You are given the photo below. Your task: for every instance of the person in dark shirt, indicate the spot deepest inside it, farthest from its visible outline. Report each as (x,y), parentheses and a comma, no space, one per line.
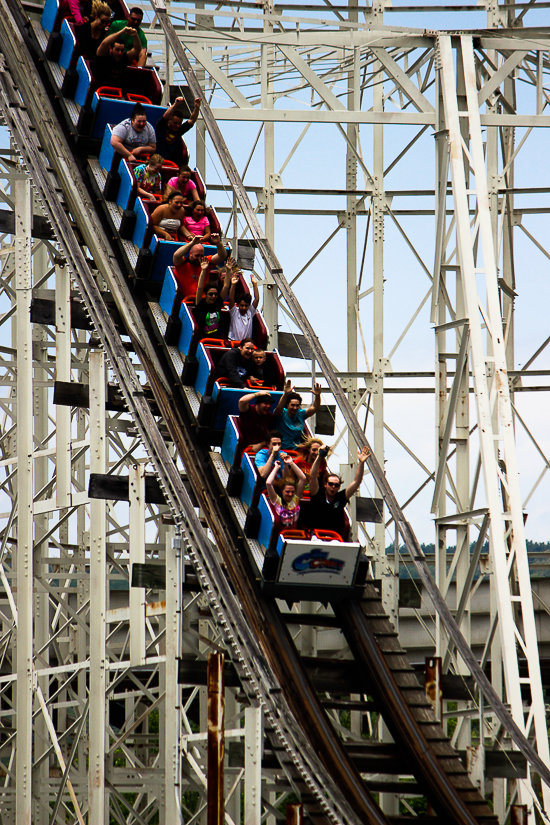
(327,503)
(135,20)
(262,373)
(207,310)
(109,67)
(90,34)
(256,421)
(234,365)
(170,129)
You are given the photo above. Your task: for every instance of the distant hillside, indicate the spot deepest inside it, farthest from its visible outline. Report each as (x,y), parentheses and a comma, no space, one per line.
(429,549)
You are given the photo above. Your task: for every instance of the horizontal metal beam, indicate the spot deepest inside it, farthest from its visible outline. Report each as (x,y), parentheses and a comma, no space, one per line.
(384,118)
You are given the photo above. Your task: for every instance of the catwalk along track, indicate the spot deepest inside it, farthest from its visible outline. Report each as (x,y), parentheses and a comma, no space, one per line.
(338,781)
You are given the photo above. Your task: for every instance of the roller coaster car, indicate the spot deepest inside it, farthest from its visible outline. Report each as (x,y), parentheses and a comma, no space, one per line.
(182,329)
(127,192)
(98,107)
(218,401)
(156,254)
(308,564)
(55,12)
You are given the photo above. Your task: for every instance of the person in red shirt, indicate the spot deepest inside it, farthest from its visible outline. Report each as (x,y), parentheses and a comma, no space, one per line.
(187,263)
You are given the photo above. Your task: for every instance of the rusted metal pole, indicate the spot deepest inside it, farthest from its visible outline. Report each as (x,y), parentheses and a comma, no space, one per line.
(216,739)
(519,815)
(432,685)
(294,814)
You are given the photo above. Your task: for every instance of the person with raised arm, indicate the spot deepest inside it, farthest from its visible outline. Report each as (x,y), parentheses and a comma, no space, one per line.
(292,419)
(208,308)
(170,129)
(256,420)
(109,69)
(135,20)
(327,503)
(242,309)
(287,504)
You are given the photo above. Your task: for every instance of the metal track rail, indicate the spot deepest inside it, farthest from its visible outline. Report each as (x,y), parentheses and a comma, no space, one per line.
(270,674)
(409,538)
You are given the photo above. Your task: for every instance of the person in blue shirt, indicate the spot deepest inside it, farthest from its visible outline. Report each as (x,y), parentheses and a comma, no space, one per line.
(292,419)
(264,459)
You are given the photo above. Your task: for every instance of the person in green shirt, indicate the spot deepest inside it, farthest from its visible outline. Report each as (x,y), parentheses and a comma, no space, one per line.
(135,21)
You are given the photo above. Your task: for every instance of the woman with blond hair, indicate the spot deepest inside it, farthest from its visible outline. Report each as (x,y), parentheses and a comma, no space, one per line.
(308,451)
(91,33)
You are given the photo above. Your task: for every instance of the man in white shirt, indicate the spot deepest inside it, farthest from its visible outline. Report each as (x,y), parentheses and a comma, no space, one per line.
(242,309)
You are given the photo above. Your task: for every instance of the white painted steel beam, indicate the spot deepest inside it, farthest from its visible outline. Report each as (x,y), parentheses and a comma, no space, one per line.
(98,594)
(489,368)
(137,556)
(25,487)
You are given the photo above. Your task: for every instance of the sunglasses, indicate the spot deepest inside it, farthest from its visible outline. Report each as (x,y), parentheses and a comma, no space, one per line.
(333,483)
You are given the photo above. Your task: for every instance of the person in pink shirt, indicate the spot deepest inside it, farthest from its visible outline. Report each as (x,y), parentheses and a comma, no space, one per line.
(196,225)
(182,182)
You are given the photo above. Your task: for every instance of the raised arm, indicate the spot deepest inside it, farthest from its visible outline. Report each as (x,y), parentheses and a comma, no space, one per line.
(234,282)
(179,254)
(314,473)
(202,278)
(135,52)
(290,465)
(225,287)
(265,470)
(352,488)
(221,253)
(282,401)
(316,403)
(244,401)
(271,492)
(105,45)
(254,282)
(195,113)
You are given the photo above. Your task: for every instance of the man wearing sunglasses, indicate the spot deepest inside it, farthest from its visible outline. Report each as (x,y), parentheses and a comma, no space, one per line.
(327,503)
(135,20)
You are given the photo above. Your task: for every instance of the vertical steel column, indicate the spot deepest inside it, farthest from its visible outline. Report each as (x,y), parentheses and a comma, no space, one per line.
(63,373)
(98,595)
(137,556)
(353,80)
(25,483)
(216,738)
(41,776)
(252,764)
(172,702)
(439,318)
(378,208)
(270,307)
